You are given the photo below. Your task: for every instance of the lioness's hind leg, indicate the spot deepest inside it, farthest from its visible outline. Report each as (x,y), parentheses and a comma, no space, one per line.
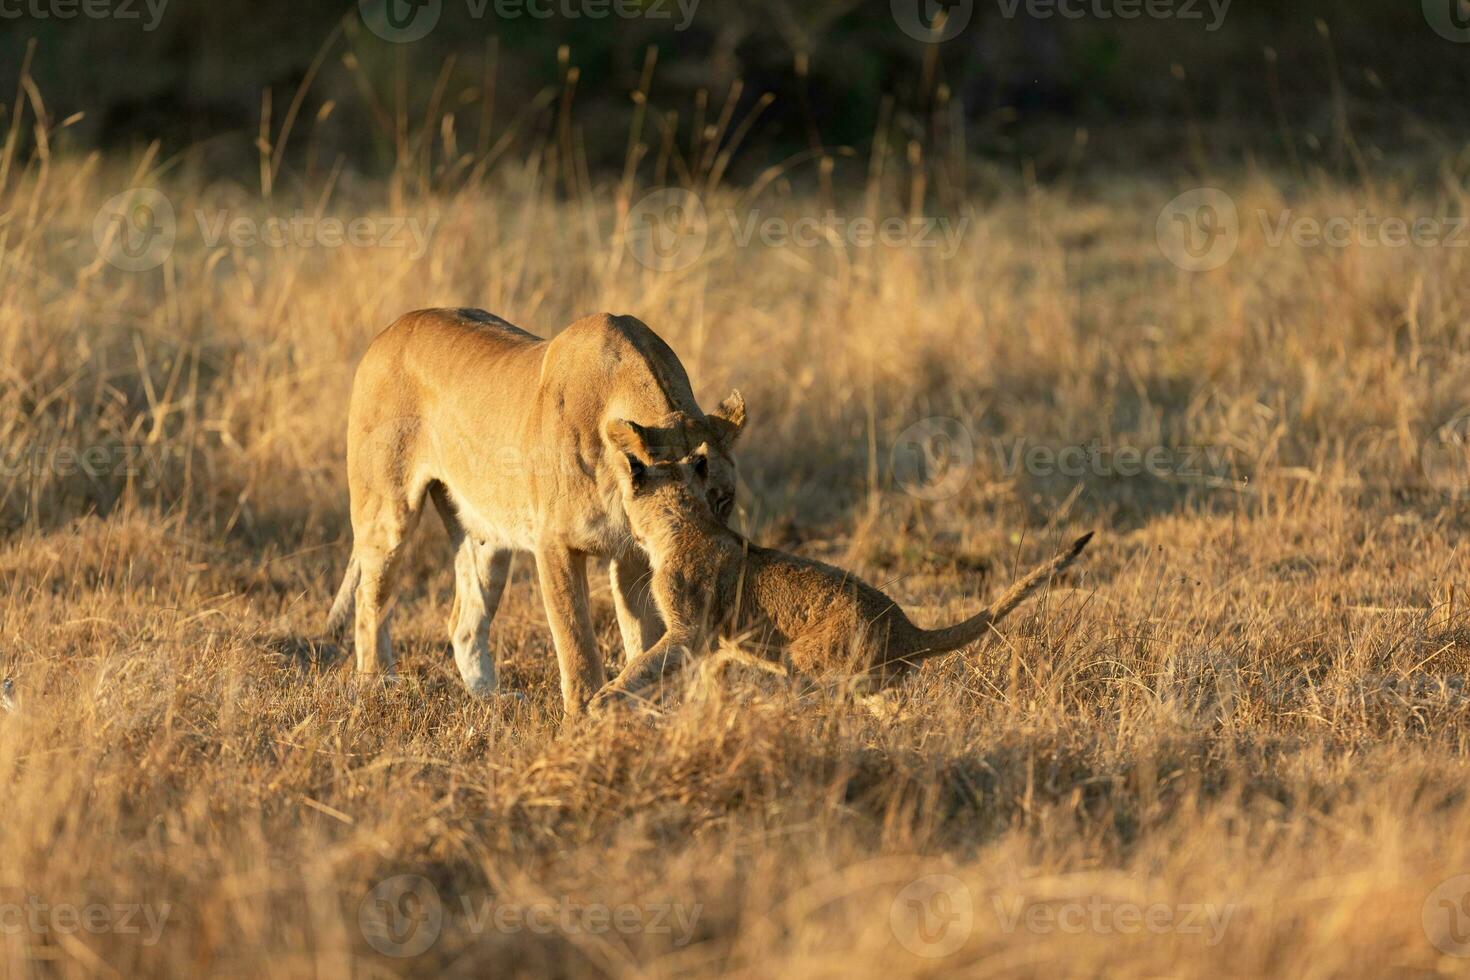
(379,540)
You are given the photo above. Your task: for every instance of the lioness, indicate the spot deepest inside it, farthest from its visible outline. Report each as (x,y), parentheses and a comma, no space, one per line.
(503,430)
(708,580)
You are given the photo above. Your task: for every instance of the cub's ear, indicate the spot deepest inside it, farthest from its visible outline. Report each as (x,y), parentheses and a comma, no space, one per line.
(629,439)
(728,419)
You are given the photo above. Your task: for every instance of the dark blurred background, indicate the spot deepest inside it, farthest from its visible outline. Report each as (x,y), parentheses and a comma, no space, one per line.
(1306,83)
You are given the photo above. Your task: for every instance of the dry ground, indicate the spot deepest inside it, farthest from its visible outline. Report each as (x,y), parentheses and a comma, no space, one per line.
(1235,745)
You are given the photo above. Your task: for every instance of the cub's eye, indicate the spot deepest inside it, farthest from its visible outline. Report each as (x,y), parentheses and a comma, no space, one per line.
(722,504)
(701,467)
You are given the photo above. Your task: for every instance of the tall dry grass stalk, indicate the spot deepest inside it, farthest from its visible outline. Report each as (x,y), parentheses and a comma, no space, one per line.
(1249,712)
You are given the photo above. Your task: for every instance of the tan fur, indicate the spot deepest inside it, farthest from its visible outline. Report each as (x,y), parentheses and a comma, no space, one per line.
(505,432)
(708,581)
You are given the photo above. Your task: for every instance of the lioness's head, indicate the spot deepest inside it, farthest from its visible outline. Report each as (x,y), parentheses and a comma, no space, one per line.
(703,445)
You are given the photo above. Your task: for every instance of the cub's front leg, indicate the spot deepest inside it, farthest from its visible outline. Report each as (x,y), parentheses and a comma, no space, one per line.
(684,612)
(668,655)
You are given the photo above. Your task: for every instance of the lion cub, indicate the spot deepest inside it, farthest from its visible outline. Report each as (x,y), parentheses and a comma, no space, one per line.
(708,581)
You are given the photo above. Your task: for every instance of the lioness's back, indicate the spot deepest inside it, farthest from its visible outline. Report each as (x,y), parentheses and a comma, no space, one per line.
(641,375)
(431,340)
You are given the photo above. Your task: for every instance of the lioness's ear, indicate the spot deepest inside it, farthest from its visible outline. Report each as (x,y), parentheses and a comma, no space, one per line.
(728,419)
(628,438)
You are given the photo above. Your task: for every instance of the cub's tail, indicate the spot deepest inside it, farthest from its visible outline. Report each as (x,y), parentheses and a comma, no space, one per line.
(962,634)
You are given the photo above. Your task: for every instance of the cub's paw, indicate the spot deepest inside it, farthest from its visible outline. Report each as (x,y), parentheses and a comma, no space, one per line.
(612,700)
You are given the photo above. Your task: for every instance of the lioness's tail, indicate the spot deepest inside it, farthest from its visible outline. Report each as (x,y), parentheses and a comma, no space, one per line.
(346,593)
(953,637)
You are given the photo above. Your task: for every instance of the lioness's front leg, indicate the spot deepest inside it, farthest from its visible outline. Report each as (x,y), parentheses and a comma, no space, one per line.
(632,589)
(480,573)
(563,576)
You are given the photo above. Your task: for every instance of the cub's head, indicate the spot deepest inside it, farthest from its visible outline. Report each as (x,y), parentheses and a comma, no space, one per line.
(724,424)
(660,497)
(704,443)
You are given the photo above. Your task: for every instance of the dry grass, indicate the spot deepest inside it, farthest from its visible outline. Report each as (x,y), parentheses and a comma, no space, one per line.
(1248,713)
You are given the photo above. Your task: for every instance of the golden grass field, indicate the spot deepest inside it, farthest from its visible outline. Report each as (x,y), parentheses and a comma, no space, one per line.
(1234,744)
